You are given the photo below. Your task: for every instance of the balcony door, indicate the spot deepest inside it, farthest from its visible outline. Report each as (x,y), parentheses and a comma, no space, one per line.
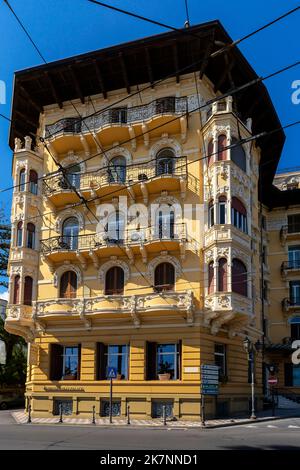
(117,170)
(73,176)
(165,224)
(295,292)
(115,227)
(165,162)
(70,233)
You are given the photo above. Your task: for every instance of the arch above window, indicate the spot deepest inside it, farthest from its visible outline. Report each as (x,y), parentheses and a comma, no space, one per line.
(70,232)
(111,263)
(165,164)
(163,258)
(30,236)
(238,155)
(68,213)
(62,269)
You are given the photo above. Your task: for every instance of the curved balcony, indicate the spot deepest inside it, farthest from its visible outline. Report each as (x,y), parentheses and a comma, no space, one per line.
(226,233)
(139,180)
(226,309)
(128,307)
(19,321)
(109,243)
(114,124)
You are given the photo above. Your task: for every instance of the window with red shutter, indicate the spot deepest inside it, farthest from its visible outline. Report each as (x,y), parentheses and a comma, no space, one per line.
(28,290)
(210,151)
(68,285)
(239,214)
(164,277)
(238,155)
(211,278)
(114,281)
(239,277)
(222,143)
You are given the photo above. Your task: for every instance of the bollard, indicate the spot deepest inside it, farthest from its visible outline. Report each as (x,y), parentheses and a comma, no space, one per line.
(29,414)
(128,414)
(164,415)
(60,413)
(94,417)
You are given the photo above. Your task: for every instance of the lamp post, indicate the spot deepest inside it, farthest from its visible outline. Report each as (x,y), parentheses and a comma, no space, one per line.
(250,349)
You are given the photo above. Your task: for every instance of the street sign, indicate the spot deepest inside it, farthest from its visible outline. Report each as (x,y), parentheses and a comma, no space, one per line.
(273,381)
(111,372)
(209,379)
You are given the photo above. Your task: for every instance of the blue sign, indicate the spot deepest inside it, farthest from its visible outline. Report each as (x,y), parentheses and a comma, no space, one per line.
(111,373)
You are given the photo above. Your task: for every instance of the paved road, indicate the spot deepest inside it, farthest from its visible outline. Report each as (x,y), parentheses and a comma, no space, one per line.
(278,434)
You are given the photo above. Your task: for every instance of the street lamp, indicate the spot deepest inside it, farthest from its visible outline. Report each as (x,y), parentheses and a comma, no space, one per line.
(250,349)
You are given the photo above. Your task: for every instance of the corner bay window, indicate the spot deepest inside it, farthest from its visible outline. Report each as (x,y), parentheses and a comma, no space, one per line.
(65,362)
(163,359)
(112,356)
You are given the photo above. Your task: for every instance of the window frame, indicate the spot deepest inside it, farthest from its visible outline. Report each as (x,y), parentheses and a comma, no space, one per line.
(176,358)
(224,368)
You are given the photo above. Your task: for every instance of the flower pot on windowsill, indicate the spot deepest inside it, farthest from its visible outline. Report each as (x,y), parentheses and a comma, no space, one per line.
(119,376)
(164,376)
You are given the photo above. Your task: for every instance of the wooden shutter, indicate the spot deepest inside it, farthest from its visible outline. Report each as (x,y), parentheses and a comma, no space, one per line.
(79,362)
(288,374)
(222,275)
(16,289)
(210,151)
(114,281)
(56,361)
(28,290)
(151,349)
(101,361)
(239,278)
(164,277)
(68,285)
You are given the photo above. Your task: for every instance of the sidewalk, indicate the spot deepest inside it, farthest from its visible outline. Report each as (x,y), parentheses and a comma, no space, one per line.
(21,418)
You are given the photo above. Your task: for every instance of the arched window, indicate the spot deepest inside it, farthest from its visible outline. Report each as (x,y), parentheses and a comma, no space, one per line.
(70,232)
(165,224)
(33,182)
(117,170)
(239,277)
(20,233)
(16,296)
(22,177)
(222,143)
(239,214)
(68,285)
(73,176)
(210,151)
(165,162)
(30,236)
(164,277)
(114,281)
(28,284)
(238,155)
(222,275)
(211,214)
(211,278)
(222,210)
(115,227)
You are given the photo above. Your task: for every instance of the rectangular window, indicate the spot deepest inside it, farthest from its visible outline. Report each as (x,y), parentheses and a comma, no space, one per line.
(117,356)
(211,216)
(294,257)
(167,360)
(70,363)
(221,359)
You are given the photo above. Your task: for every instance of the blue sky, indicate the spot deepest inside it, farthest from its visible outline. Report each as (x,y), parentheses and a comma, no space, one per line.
(68,27)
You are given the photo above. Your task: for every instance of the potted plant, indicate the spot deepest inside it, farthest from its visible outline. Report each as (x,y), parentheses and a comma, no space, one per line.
(119,376)
(164,372)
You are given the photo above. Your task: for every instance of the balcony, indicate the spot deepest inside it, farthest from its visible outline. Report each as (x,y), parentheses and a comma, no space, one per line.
(291,305)
(290,232)
(138,180)
(114,124)
(19,321)
(128,307)
(290,267)
(226,309)
(222,107)
(110,243)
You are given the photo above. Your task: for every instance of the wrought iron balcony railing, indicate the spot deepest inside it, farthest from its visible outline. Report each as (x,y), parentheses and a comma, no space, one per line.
(120,175)
(167,105)
(115,237)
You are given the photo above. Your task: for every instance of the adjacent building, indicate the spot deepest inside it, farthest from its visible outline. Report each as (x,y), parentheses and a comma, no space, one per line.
(139,226)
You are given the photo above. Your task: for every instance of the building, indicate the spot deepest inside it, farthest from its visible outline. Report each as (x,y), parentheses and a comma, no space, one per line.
(172,280)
